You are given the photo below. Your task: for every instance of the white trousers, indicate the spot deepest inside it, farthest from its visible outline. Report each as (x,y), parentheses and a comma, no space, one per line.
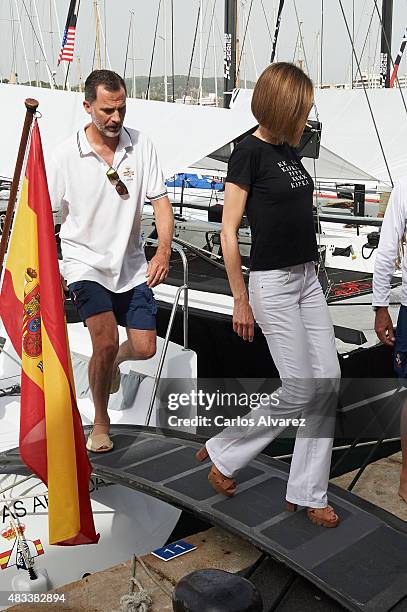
(290,308)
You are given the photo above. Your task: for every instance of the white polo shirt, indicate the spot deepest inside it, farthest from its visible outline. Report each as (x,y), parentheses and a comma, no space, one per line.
(393,228)
(100,231)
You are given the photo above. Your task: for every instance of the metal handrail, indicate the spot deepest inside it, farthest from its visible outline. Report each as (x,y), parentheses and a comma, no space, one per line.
(183,288)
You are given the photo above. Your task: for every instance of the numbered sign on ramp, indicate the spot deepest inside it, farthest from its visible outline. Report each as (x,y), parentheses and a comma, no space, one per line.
(176,549)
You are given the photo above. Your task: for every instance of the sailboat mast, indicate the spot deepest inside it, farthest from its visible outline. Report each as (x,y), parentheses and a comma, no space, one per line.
(97,36)
(385,51)
(229,51)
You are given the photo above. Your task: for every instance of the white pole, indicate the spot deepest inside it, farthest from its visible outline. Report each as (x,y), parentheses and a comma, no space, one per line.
(103,37)
(165,53)
(200,50)
(50,77)
(60,42)
(134,92)
(22,41)
(214,58)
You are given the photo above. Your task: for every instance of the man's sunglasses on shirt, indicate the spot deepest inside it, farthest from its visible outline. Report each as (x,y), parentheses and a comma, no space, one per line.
(114,178)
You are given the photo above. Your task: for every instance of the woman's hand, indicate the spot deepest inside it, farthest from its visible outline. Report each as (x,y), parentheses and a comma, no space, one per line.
(243,320)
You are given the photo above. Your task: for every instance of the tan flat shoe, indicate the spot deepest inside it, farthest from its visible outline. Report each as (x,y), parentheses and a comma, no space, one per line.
(323,517)
(115,384)
(202,454)
(222,484)
(99,443)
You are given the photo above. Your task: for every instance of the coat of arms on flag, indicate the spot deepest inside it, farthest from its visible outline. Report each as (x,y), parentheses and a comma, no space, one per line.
(20,549)
(52,442)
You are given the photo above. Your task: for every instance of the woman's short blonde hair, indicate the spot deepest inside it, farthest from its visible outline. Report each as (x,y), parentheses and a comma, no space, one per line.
(282,100)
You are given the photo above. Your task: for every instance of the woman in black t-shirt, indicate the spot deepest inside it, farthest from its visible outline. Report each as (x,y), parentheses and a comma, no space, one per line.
(266,177)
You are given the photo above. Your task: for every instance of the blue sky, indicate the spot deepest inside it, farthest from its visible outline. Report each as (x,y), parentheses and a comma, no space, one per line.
(116,15)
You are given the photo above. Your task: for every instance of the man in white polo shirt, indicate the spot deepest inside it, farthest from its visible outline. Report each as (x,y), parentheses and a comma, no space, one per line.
(391,237)
(100,178)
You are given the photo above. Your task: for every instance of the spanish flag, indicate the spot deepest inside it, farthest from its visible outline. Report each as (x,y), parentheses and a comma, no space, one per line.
(52,442)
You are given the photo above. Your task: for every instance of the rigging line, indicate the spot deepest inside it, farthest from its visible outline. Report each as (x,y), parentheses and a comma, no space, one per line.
(244,38)
(350,68)
(295,47)
(266,20)
(94,56)
(172,50)
(366,95)
(302,39)
(192,53)
(209,37)
(353,38)
(219,31)
(38,41)
(366,37)
(13,40)
(321,42)
(389,52)
(128,43)
(375,51)
(51,32)
(152,54)
(305,56)
(201,36)
(104,14)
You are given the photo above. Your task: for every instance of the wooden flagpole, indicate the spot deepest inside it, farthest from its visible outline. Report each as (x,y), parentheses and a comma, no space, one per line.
(31,106)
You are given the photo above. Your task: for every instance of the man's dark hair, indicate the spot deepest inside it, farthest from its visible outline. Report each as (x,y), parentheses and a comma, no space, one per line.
(107,78)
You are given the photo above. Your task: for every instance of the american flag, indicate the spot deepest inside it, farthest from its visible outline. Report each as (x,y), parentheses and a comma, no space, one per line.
(68,40)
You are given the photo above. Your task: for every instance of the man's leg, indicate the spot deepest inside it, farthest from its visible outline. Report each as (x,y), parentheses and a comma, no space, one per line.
(105,341)
(136,311)
(140,344)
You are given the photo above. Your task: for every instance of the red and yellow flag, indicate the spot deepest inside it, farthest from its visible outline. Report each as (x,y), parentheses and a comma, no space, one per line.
(52,442)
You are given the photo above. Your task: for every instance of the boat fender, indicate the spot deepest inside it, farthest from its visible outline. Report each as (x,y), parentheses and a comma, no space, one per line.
(24,582)
(212,589)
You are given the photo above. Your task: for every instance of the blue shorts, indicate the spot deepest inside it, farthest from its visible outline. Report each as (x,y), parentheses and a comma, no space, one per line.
(135,309)
(400,345)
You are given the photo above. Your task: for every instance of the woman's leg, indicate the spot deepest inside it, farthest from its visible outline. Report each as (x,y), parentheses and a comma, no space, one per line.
(310,465)
(274,296)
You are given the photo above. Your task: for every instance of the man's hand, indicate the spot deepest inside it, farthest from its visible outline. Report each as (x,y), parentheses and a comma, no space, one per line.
(158,267)
(243,320)
(384,327)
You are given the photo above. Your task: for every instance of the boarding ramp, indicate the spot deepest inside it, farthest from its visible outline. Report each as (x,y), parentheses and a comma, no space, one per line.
(362,563)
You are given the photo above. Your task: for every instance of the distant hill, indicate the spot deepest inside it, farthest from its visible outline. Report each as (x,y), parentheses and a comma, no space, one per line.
(180,86)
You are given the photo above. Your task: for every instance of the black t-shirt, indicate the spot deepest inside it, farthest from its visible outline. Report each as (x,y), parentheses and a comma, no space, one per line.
(279,203)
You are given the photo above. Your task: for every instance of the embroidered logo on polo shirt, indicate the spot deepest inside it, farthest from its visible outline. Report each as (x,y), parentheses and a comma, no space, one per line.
(128,173)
